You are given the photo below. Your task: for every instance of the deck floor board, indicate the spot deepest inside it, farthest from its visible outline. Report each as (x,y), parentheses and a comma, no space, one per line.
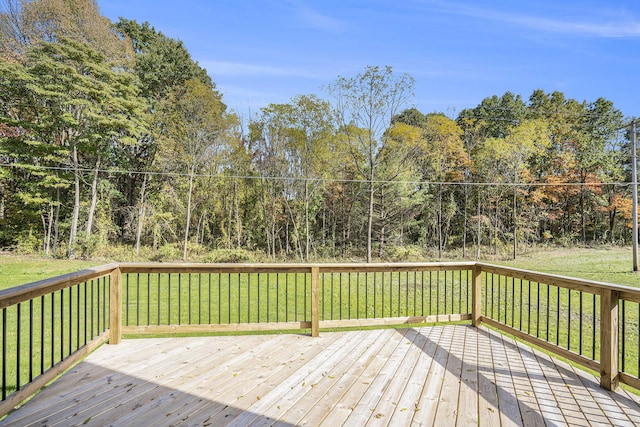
(432,375)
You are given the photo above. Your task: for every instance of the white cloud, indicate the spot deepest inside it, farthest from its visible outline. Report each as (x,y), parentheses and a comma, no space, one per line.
(228,68)
(314,19)
(616,24)
(599,29)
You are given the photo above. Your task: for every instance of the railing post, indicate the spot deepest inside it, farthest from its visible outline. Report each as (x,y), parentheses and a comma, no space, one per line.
(476,296)
(315,316)
(115,307)
(609,377)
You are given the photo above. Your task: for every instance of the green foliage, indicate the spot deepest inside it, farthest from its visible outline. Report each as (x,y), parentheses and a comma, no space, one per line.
(410,253)
(168,253)
(28,244)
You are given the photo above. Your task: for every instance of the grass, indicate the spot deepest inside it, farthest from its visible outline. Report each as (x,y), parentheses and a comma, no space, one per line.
(18,270)
(605,264)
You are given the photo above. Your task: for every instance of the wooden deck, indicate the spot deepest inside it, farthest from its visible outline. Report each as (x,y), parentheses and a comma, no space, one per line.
(442,375)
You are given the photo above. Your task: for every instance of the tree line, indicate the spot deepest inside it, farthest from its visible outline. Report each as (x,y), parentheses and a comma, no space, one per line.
(111,135)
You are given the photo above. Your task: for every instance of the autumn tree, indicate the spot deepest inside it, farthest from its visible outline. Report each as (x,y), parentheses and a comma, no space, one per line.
(24,24)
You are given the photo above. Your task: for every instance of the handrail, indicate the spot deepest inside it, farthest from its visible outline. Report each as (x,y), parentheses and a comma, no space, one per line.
(169,297)
(591,286)
(17,294)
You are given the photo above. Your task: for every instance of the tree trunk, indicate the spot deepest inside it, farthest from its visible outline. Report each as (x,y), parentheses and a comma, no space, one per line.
(583,220)
(515,224)
(370,215)
(382,223)
(440,222)
(56,226)
(47,248)
(188,222)
(295,229)
(94,198)
(73,231)
(141,214)
(465,220)
(307,241)
(236,206)
(479,230)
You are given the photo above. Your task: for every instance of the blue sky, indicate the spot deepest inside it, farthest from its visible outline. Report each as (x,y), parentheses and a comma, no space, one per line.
(458,51)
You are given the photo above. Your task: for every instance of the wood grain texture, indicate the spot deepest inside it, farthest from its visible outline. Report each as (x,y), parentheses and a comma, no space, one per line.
(447,375)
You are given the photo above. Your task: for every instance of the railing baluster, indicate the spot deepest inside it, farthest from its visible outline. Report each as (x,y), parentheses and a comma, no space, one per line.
(538,312)
(558,318)
(568,320)
(149,299)
(374,294)
(42,340)
(137,299)
(4,354)
(31,340)
(340,289)
(357,294)
(159,299)
(169,299)
(62,324)
(499,301)
(520,303)
(580,325)
(249,299)
(295,300)
(126,301)
(382,294)
(18,349)
(70,321)
(623,335)
(180,299)
(286,300)
(189,298)
(593,329)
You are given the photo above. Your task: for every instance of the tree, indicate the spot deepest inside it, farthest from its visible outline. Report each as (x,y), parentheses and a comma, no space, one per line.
(398,195)
(193,118)
(365,105)
(162,65)
(294,142)
(27,23)
(443,159)
(78,105)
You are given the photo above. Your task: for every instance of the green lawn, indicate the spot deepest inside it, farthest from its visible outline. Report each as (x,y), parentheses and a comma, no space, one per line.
(18,270)
(611,265)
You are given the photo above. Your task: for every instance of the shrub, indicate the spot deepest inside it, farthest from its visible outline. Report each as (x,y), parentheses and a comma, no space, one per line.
(28,244)
(230,255)
(168,252)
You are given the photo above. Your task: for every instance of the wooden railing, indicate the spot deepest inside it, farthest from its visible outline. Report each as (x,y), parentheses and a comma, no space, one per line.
(48,326)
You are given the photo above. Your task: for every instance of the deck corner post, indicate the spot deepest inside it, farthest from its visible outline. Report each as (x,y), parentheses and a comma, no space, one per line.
(115,307)
(609,373)
(315,316)
(476,296)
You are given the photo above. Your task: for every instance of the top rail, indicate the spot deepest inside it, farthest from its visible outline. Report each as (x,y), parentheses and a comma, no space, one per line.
(590,286)
(18,294)
(291,268)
